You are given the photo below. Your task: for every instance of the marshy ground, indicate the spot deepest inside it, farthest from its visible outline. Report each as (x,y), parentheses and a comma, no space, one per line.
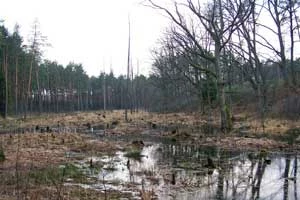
(64,156)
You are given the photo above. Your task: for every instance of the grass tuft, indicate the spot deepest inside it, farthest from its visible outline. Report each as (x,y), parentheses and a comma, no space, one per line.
(134,154)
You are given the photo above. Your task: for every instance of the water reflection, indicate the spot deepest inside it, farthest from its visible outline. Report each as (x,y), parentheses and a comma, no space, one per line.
(190,172)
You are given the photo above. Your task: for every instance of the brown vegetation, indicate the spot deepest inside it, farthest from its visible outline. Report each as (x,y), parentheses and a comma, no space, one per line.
(31,150)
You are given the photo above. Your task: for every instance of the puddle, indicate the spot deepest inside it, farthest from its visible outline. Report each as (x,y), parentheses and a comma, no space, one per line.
(190,172)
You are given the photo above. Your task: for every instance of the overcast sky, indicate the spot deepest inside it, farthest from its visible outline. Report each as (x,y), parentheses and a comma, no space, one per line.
(91,32)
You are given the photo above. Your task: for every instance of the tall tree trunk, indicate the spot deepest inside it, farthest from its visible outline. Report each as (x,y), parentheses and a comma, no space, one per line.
(226,125)
(104,93)
(38,90)
(128,67)
(56,100)
(291,13)
(262,103)
(16,86)
(29,85)
(6,81)
(23,91)
(132,102)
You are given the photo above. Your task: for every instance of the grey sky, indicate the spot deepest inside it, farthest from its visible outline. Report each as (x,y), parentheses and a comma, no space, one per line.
(90,32)
(95,32)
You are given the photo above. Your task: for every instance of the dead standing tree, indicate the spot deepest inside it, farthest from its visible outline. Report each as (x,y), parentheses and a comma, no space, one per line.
(127,77)
(36,40)
(219,19)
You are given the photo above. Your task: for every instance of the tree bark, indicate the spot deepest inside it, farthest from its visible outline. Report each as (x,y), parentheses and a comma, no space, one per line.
(29,86)
(16,86)
(6,82)
(224,110)
(128,67)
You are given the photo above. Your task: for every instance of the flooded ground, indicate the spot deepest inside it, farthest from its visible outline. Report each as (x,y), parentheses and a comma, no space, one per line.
(154,156)
(187,172)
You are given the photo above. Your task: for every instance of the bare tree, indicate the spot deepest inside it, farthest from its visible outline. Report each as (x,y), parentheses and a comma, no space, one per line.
(293,6)
(246,49)
(128,71)
(219,20)
(284,17)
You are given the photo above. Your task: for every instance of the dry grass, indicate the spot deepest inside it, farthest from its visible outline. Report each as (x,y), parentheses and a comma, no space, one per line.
(147,195)
(67,193)
(276,126)
(40,149)
(30,156)
(108,117)
(114,123)
(34,151)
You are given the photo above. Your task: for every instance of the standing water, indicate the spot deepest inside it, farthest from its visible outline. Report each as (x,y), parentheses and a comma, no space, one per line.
(182,172)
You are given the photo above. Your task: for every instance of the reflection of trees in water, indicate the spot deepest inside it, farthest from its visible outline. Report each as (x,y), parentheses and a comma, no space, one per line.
(290,176)
(242,178)
(286,176)
(295,177)
(256,183)
(234,176)
(220,184)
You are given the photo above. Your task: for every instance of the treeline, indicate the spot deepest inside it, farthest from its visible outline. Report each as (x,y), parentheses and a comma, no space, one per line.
(29,84)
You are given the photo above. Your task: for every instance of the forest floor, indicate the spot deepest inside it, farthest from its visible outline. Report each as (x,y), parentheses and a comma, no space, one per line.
(37,153)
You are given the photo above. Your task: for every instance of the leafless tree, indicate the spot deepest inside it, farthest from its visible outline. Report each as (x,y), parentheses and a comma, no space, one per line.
(249,58)
(284,17)
(218,20)
(128,71)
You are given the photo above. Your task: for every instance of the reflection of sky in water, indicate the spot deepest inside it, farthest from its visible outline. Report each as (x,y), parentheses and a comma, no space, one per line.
(241,177)
(135,171)
(239,180)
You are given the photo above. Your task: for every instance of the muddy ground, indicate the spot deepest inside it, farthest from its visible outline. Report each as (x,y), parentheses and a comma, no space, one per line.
(37,153)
